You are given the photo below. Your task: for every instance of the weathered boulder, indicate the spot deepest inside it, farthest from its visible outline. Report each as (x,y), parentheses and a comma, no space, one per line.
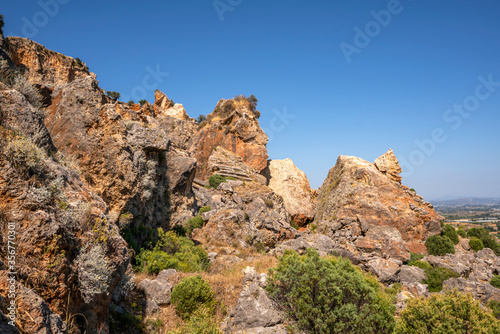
(484,292)
(233,125)
(387,271)
(384,241)
(459,263)
(292,184)
(255,312)
(164,107)
(356,195)
(157,291)
(228,164)
(388,164)
(411,275)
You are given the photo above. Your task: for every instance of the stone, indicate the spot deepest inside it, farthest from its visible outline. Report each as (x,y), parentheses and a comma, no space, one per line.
(386,270)
(484,292)
(411,275)
(384,241)
(157,291)
(254,308)
(292,184)
(164,107)
(388,163)
(229,164)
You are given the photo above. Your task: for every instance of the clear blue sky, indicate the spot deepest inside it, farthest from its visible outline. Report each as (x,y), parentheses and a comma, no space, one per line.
(404,73)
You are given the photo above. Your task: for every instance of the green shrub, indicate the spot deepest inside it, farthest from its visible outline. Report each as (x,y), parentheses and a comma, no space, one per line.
(329,295)
(449,231)
(461,232)
(495,307)
(204,209)
(192,223)
(131,102)
(201,118)
(215,180)
(439,245)
(451,312)
(190,294)
(172,251)
(495,281)
(142,102)
(436,276)
(23,153)
(414,258)
(114,95)
(422,265)
(488,240)
(201,322)
(476,244)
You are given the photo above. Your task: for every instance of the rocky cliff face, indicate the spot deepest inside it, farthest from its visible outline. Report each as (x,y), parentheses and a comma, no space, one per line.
(365,207)
(234,127)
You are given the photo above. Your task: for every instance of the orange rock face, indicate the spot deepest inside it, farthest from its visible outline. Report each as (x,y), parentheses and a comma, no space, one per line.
(235,128)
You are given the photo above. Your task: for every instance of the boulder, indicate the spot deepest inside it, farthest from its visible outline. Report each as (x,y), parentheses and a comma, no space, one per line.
(254,312)
(292,184)
(484,292)
(384,241)
(388,164)
(387,271)
(157,291)
(411,275)
(231,165)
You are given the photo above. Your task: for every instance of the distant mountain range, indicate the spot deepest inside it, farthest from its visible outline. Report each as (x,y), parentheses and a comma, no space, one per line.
(468,201)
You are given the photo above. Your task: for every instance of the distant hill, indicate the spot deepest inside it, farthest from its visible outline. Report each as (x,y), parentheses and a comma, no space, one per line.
(468,201)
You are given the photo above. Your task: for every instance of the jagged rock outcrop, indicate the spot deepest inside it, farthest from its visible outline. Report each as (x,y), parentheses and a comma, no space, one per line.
(484,292)
(165,107)
(243,215)
(228,164)
(357,197)
(292,184)
(255,312)
(234,126)
(157,291)
(388,164)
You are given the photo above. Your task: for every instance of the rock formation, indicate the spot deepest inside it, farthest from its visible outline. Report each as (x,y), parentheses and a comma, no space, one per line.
(292,184)
(232,126)
(358,196)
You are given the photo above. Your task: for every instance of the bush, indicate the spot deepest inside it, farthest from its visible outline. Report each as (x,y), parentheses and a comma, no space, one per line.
(142,102)
(190,294)
(422,265)
(414,258)
(94,272)
(201,118)
(436,277)
(204,209)
(30,92)
(192,223)
(495,307)
(215,180)
(439,245)
(451,312)
(329,295)
(495,281)
(172,251)
(449,231)
(23,153)
(114,95)
(476,244)
(461,232)
(488,240)
(201,322)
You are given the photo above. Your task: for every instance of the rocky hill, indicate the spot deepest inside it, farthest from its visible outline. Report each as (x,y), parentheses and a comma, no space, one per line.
(95,189)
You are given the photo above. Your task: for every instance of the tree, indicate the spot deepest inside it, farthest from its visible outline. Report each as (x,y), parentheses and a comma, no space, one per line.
(450,232)
(114,95)
(201,118)
(329,295)
(439,245)
(253,102)
(142,102)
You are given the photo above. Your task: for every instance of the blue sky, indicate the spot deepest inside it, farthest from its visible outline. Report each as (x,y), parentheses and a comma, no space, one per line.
(332,77)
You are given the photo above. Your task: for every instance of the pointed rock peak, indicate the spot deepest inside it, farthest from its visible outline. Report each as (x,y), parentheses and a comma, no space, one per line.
(162,101)
(388,163)
(164,106)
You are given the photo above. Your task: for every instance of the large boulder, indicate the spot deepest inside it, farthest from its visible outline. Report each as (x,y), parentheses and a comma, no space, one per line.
(357,195)
(484,292)
(292,184)
(165,107)
(254,312)
(410,275)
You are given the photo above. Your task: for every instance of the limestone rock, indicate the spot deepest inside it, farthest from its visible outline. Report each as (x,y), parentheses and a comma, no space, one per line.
(164,107)
(234,127)
(384,241)
(388,164)
(292,184)
(411,275)
(228,164)
(157,291)
(484,292)
(387,271)
(255,312)
(356,195)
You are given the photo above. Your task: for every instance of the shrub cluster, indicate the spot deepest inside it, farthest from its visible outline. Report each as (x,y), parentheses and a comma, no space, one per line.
(191,294)
(486,238)
(495,281)
(449,231)
(329,295)
(439,245)
(476,244)
(461,232)
(434,276)
(451,312)
(215,180)
(172,251)
(192,223)
(23,153)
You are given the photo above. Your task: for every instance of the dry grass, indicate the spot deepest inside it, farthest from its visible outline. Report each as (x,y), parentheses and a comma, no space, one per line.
(225,281)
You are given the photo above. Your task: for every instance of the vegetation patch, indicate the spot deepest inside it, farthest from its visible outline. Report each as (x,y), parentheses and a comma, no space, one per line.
(191,294)
(215,180)
(449,231)
(439,245)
